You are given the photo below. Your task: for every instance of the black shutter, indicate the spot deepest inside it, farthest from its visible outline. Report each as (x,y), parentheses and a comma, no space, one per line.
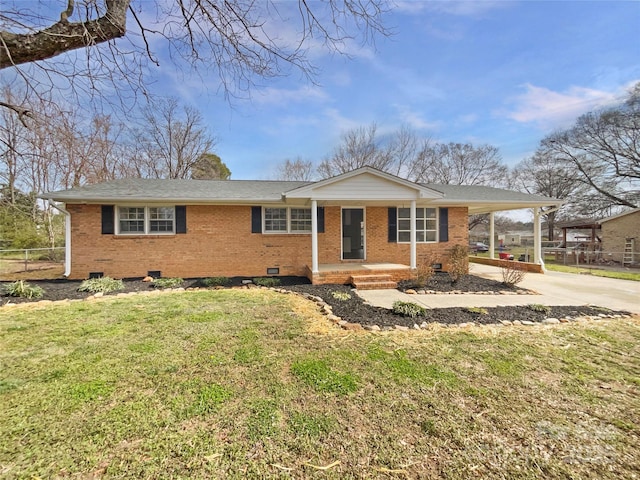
(256,219)
(108,224)
(181,219)
(393,225)
(320,219)
(444,225)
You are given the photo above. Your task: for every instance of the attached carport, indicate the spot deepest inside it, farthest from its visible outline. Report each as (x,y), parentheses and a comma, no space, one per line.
(483,200)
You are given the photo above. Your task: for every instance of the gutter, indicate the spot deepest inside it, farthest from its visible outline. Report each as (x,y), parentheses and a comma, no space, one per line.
(67,238)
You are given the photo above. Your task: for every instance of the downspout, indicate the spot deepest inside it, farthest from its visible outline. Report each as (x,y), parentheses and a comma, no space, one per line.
(67,238)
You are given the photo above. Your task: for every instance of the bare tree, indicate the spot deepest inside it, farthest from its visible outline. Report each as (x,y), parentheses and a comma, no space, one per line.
(461,164)
(603,151)
(544,175)
(298,169)
(398,153)
(89,41)
(171,141)
(359,147)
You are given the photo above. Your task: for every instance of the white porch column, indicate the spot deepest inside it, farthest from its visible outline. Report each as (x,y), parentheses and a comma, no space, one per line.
(537,237)
(314,237)
(67,243)
(413,235)
(492,234)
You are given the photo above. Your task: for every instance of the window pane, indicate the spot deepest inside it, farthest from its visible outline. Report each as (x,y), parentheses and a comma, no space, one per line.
(419,212)
(404,225)
(404,236)
(161,219)
(431,224)
(404,213)
(431,213)
(431,236)
(161,213)
(419,224)
(275,219)
(131,219)
(300,219)
(419,236)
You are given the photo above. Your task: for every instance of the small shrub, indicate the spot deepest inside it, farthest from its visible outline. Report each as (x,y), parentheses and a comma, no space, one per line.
(267,281)
(425,271)
(24,290)
(216,282)
(408,309)
(536,307)
(458,263)
(342,296)
(477,310)
(166,282)
(102,284)
(512,272)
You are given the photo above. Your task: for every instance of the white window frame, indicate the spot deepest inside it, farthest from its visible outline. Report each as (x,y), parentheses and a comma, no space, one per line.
(289,230)
(424,230)
(147,220)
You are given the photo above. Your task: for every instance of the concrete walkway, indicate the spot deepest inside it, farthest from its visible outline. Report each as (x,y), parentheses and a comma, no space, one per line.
(554,288)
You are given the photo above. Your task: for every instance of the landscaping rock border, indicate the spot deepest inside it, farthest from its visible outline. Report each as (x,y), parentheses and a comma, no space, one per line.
(350,312)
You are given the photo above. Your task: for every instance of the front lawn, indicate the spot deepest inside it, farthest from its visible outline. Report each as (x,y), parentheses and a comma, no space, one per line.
(256,384)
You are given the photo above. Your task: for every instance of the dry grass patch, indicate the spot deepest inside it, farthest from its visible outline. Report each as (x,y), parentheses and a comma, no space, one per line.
(255,384)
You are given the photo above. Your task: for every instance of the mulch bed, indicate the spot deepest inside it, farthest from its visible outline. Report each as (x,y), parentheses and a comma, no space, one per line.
(440,282)
(354,309)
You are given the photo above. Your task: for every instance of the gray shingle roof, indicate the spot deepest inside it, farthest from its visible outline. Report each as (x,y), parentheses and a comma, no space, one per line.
(260,191)
(188,191)
(479,193)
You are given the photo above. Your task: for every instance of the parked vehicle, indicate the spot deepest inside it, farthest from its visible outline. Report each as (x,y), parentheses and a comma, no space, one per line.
(478,247)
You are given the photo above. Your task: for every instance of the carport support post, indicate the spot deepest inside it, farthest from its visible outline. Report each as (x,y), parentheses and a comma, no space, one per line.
(492,233)
(537,237)
(413,235)
(314,237)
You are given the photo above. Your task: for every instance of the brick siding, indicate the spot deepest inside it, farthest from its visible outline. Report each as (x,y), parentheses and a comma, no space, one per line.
(615,232)
(219,242)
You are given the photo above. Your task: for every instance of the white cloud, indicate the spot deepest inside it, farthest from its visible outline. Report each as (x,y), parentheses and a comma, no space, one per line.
(284,97)
(550,109)
(340,123)
(468,118)
(469,8)
(414,119)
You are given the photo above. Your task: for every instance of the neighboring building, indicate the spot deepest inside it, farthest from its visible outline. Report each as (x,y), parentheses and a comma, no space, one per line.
(516,239)
(621,236)
(362,221)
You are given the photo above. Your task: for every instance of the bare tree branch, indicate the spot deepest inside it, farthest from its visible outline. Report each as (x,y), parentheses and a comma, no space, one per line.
(63,36)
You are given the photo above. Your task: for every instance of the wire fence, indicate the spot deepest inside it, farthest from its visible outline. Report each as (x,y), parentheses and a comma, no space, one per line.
(27,259)
(584,256)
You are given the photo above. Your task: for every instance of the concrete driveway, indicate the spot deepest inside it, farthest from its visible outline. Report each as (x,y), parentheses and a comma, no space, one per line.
(554,288)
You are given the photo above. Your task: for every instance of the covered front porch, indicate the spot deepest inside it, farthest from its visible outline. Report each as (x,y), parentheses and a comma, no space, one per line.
(361,275)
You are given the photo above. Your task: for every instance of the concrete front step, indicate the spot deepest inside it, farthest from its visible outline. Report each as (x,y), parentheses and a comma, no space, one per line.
(376,285)
(373,282)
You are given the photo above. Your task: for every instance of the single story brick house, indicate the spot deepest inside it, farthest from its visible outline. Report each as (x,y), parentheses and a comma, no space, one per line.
(364,221)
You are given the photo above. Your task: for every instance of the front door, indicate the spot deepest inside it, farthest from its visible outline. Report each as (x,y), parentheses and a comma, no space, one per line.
(353,246)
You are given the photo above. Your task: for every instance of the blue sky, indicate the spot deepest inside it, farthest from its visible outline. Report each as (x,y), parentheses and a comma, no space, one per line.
(502,73)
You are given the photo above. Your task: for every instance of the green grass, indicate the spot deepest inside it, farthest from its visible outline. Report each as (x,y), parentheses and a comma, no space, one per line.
(238,384)
(635,276)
